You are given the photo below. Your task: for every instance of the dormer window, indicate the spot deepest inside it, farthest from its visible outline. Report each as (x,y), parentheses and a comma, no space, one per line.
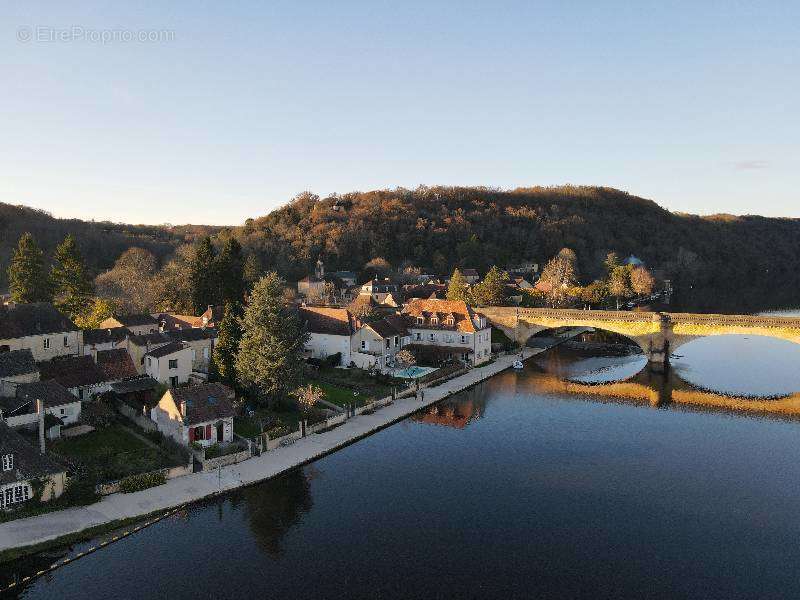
(434,320)
(420,320)
(8,462)
(449,321)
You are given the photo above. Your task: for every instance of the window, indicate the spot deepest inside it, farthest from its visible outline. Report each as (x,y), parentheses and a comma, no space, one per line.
(418,336)
(205,353)
(434,320)
(396,340)
(46,343)
(448,337)
(173,363)
(15,494)
(8,462)
(149,362)
(194,354)
(420,320)
(388,343)
(431,336)
(363,344)
(199,432)
(66,342)
(463,339)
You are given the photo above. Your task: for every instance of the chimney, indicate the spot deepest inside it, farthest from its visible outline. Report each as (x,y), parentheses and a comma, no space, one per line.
(183,412)
(94,354)
(40,411)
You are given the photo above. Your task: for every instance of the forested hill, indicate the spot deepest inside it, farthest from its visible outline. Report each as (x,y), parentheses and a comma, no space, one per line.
(443,227)
(100,242)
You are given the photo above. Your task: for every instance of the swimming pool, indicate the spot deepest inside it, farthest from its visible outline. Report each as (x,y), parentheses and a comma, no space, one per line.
(414,372)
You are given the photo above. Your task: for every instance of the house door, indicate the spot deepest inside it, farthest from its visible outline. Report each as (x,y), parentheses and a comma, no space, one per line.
(220,432)
(173,382)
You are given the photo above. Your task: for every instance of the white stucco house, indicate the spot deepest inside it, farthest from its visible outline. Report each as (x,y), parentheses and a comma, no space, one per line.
(170,364)
(200,414)
(330,331)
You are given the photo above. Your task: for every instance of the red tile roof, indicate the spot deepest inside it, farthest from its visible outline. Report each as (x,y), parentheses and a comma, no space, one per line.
(465,318)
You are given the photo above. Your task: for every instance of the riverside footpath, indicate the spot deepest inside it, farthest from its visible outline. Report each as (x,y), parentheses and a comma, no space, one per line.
(197,486)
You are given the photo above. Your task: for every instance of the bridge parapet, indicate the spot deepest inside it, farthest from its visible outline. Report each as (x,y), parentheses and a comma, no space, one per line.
(656,333)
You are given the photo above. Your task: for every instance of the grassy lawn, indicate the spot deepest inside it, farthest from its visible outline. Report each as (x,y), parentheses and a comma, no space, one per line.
(112,453)
(353,379)
(250,427)
(338,395)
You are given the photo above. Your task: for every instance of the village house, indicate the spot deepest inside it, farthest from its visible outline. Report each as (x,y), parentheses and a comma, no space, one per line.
(136,324)
(170,364)
(201,342)
(40,328)
(471,276)
(201,414)
(139,345)
(449,330)
(16,367)
(375,344)
(330,331)
(109,338)
(60,406)
(379,289)
(79,374)
(22,467)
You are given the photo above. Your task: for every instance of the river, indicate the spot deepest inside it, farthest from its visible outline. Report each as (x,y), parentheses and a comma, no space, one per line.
(535,484)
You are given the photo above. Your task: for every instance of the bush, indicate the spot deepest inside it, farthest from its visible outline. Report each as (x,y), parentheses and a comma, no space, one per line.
(334,360)
(142,481)
(213,451)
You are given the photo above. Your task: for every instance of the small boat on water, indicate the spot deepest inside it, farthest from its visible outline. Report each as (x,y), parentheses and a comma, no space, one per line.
(518,365)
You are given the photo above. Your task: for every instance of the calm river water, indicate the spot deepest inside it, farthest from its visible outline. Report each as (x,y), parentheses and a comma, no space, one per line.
(532,485)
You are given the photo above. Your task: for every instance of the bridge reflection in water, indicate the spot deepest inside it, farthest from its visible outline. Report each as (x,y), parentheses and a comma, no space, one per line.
(659,390)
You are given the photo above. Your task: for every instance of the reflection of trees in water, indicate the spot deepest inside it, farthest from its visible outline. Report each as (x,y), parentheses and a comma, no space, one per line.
(276,506)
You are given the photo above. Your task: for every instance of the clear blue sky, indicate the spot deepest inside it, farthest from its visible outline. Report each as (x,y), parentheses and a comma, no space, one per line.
(695,105)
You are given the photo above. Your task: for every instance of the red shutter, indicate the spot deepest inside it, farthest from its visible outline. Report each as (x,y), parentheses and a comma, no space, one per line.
(208,432)
(191,434)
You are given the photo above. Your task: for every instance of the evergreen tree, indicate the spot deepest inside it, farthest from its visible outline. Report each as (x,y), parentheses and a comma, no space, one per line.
(458,288)
(203,275)
(227,346)
(27,277)
(252,270)
(492,290)
(230,266)
(270,358)
(70,281)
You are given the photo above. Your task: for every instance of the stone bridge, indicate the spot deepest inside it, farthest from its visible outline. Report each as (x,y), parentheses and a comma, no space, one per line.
(657,333)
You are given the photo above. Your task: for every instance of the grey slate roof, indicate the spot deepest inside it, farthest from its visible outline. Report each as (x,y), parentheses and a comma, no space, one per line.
(192,335)
(166,350)
(135,384)
(50,392)
(72,371)
(104,336)
(28,462)
(150,338)
(16,362)
(32,319)
(204,402)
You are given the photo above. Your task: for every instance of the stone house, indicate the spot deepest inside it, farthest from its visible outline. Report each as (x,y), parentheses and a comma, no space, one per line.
(450,329)
(21,465)
(201,413)
(40,328)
